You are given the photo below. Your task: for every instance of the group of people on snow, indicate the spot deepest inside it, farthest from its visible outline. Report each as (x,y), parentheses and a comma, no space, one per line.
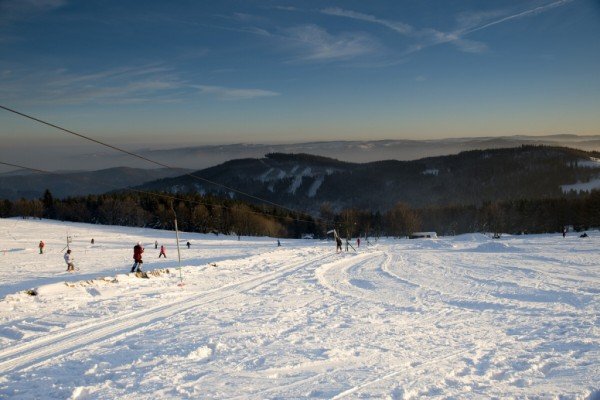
(138,250)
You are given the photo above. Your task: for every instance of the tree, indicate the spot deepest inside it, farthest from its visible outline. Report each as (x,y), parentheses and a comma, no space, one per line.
(48,203)
(349,220)
(402,220)
(200,219)
(493,219)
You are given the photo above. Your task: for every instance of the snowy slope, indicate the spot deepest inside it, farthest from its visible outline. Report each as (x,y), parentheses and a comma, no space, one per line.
(462,317)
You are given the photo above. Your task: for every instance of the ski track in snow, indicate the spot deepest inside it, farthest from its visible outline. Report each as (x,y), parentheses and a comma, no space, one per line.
(36,351)
(464,317)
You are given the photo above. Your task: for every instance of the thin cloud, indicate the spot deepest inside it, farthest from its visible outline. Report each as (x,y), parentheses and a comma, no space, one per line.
(316,44)
(229,94)
(399,27)
(522,14)
(251,18)
(425,37)
(257,31)
(14,6)
(129,73)
(118,85)
(11,10)
(468,23)
(153,83)
(468,19)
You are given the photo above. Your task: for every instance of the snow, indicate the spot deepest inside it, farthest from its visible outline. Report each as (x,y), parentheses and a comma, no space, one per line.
(314,187)
(582,186)
(264,176)
(298,179)
(431,171)
(592,162)
(272,174)
(592,184)
(458,317)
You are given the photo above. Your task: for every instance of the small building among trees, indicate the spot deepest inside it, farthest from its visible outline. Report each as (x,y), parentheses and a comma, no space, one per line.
(423,235)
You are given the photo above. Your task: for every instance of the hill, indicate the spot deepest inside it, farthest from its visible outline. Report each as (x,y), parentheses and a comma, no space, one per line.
(473,177)
(15,185)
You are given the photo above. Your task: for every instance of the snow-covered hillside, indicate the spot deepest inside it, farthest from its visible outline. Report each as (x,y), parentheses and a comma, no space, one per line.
(461,317)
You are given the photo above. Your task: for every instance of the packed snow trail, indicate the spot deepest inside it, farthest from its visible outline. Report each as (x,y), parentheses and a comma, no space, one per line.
(68,340)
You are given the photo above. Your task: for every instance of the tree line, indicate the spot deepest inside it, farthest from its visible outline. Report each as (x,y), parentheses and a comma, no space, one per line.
(511,216)
(210,214)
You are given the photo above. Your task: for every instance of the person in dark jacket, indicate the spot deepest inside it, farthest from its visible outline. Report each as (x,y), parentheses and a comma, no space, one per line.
(137,257)
(338,244)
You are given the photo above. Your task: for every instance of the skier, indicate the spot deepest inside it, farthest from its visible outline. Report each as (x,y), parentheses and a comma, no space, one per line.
(188,244)
(92,241)
(278,243)
(564,231)
(41,246)
(162,251)
(156,244)
(69,261)
(338,244)
(137,257)
(357,242)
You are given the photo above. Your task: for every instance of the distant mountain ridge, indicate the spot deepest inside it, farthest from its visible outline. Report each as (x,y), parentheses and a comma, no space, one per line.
(204,156)
(29,185)
(365,151)
(305,182)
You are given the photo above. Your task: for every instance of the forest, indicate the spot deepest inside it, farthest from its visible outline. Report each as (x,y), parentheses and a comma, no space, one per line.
(210,214)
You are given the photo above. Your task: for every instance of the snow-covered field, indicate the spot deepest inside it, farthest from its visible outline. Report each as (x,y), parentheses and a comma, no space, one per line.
(461,317)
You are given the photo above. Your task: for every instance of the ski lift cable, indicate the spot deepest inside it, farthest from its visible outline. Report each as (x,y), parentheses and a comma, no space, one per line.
(166,196)
(148,159)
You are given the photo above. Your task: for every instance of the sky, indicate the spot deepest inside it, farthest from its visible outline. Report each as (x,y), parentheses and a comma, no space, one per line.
(158,73)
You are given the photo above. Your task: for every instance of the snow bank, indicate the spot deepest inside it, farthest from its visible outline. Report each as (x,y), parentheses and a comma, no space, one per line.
(495,247)
(471,237)
(433,244)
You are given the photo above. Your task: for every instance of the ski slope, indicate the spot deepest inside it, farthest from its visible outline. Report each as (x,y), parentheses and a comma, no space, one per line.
(461,317)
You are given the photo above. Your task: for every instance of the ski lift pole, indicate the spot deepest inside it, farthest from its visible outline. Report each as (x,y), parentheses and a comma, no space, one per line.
(68,242)
(178,253)
(177,239)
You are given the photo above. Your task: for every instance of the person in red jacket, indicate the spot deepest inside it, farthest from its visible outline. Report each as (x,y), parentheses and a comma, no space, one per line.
(137,257)
(41,246)
(162,251)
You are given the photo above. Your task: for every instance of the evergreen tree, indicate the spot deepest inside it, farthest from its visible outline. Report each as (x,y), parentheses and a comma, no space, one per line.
(48,203)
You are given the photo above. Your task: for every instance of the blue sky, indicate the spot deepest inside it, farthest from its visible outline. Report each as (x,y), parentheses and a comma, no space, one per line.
(206,72)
